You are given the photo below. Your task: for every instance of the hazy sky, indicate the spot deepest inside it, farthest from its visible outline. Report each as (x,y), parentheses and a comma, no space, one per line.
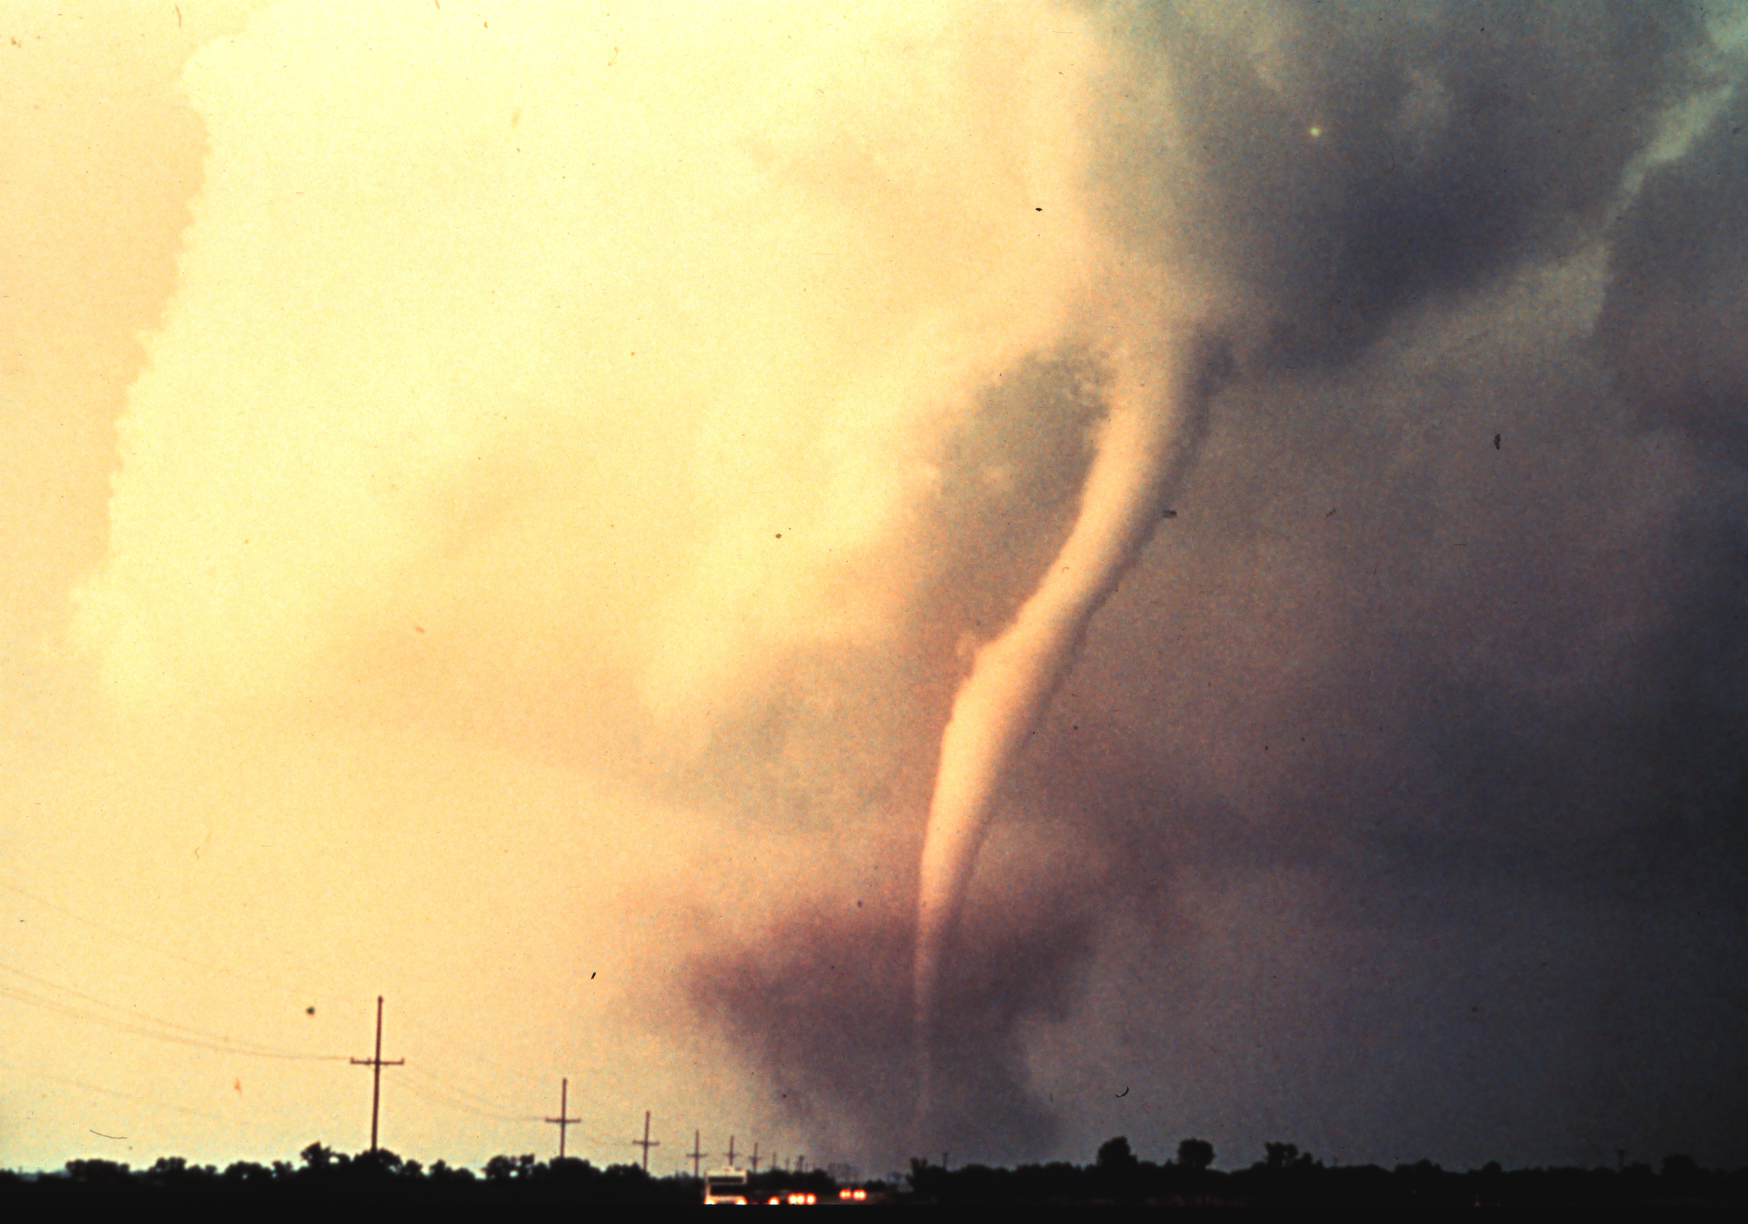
(500,499)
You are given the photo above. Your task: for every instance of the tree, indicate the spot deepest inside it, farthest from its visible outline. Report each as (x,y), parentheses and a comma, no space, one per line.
(508,1168)
(97,1172)
(1115,1156)
(1281,1155)
(248,1173)
(927,1181)
(442,1174)
(379,1162)
(1196,1155)
(1681,1174)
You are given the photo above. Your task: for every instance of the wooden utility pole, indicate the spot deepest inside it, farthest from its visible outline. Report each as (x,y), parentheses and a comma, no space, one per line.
(753,1160)
(646,1143)
(563,1121)
(731,1163)
(697,1153)
(801,1162)
(376,1065)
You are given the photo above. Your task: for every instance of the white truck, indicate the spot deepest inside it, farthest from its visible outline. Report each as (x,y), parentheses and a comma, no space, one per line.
(725,1187)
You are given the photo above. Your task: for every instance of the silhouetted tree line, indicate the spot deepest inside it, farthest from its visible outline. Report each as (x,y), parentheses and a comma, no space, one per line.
(1285,1175)
(369,1176)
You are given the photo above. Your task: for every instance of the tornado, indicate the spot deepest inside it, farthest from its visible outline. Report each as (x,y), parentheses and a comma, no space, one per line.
(1162,379)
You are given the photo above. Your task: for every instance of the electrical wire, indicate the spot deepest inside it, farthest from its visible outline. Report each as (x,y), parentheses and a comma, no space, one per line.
(144,1025)
(454,1098)
(126,1096)
(438,1090)
(159,949)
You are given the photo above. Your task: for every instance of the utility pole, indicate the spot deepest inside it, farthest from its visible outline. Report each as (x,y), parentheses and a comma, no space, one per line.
(646,1143)
(731,1152)
(697,1153)
(376,1065)
(563,1121)
(801,1162)
(753,1160)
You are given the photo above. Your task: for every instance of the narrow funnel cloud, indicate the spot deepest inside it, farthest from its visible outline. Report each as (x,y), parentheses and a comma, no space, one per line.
(1162,380)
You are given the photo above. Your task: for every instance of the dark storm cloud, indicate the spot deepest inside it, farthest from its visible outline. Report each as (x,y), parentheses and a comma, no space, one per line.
(1346,160)
(1487,723)
(1675,326)
(1673,331)
(1442,636)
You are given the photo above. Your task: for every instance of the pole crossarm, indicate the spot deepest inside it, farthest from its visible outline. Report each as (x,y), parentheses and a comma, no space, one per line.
(564,1121)
(376,1063)
(646,1143)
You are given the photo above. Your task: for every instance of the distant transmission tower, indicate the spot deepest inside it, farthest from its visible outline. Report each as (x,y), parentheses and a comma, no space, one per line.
(376,1065)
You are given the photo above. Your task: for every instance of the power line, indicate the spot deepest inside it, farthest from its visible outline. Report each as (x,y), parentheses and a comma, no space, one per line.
(449,1095)
(499,1072)
(127,1096)
(376,1065)
(491,1076)
(490,1106)
(127,1020)
(564,1121)
(451,1098)
(646,1143)
(144,1025)
(63,1000)
(208,966)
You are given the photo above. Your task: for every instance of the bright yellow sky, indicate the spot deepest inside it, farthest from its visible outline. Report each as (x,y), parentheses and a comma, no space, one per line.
(407,499)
